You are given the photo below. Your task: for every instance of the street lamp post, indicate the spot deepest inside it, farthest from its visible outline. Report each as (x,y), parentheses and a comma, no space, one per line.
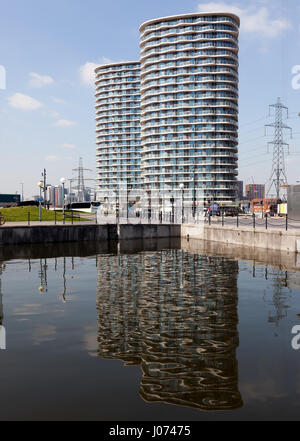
(117,190)
(149,206)
(40,185)
(194,191)
(129,187)
(181,186)
(63,181)
(22,192)
(172,200)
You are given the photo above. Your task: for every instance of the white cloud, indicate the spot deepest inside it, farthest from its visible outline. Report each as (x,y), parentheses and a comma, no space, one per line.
(58,100)
(87,71)
(24,102)
(53,114)
(38,81)
(52,158)
(253,21)
(69,146)
(65,123)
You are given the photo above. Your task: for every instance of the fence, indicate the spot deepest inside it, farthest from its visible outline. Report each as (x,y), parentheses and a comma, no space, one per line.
(177,216)
(189,217)
(252,221)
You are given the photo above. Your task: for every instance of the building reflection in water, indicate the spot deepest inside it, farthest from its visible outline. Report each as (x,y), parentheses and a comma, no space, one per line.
(278,295)
(175,314)
(119,293)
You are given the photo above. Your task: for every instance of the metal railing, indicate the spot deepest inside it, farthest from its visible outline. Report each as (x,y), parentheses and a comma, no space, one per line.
(254,221)
(188,216)
(178,215)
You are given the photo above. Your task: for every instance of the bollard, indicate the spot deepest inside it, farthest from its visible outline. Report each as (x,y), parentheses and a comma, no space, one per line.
(253,220)
(237,220)
(222,218)
(266,221)
(286,223)
(28,218)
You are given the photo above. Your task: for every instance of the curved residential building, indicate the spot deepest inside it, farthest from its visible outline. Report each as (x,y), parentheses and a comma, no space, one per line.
(118,126)
(189,104)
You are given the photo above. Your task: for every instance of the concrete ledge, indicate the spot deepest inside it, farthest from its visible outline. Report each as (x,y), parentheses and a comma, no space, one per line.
(273,239)
(257,256)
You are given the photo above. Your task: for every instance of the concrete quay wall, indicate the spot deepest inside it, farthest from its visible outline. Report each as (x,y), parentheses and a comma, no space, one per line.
(273,239)
(12,235)
(147,231)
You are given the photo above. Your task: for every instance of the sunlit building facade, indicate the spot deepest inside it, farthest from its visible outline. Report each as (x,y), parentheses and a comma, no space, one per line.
(189,104)
(118,126)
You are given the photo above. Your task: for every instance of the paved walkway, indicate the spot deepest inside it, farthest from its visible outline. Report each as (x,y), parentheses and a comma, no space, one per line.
(243,222)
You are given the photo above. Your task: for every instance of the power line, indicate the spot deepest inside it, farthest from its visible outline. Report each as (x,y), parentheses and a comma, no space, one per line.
(247,165)
(253,122)
(252,130)
(252,157)
(251,140)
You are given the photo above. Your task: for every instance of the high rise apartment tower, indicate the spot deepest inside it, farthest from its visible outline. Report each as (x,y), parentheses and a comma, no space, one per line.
(189,104)
(118,126)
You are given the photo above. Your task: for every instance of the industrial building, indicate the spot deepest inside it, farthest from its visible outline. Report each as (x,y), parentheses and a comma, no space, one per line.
(9,199)
(293,198)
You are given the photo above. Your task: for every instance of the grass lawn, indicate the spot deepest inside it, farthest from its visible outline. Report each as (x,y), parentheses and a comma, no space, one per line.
(20,214)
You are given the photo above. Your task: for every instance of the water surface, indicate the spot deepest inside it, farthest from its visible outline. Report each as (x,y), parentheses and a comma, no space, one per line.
(162,330)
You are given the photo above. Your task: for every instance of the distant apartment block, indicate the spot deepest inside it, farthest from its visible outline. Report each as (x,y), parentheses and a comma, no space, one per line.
(255,191)
(54,195)
(118,126)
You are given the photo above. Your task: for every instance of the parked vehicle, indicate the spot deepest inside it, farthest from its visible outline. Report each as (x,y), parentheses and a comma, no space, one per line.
(214,209)
(87,207)
(230,211)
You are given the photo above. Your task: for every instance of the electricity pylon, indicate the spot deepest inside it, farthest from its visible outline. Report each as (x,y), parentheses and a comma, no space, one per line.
(80,181)
(80,187)
(278,175)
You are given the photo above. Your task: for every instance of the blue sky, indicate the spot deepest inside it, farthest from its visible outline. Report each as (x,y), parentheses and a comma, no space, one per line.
(48,50)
